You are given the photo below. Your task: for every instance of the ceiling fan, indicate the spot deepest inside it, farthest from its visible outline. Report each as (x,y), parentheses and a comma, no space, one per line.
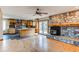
(38,12)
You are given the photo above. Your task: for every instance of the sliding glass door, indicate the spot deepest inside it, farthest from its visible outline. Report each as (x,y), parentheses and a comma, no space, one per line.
(40,27)
(43,27)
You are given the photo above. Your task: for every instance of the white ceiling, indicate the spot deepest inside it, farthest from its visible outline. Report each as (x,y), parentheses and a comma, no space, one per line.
(27,12)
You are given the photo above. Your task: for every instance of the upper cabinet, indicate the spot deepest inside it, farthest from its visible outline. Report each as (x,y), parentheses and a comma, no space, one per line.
(20,22)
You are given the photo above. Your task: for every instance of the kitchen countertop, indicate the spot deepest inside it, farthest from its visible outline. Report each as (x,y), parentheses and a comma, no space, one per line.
(23,29)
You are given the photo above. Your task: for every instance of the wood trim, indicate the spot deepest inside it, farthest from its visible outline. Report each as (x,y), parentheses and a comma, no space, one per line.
(1,39)
(37,26)
(65,24)
(48,27)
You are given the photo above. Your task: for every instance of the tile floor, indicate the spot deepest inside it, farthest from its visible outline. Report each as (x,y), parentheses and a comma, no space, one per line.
(36,43)
(31,43)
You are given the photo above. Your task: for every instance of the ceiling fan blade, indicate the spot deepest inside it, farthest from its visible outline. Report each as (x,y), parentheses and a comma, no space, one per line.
(44,13)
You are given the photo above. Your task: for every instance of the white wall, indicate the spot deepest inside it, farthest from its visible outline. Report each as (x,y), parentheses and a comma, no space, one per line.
(5,24)
(1,27)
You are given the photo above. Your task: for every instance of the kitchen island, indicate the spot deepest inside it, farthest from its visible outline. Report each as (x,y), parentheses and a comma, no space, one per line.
(23,32)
